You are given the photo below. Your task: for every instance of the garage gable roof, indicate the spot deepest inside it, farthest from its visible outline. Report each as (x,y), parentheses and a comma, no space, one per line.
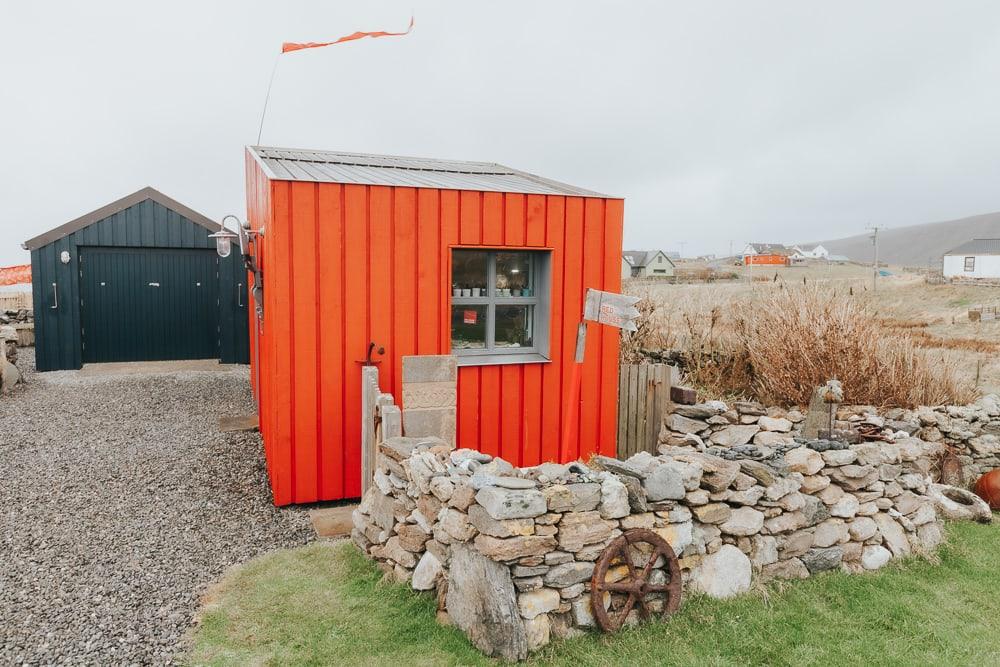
(315,166)
(116,206)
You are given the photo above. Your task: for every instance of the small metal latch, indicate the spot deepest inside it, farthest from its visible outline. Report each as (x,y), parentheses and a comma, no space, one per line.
(154,284)
(373,347)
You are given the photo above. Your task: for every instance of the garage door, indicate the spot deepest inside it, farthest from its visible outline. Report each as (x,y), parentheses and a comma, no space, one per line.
(148,304)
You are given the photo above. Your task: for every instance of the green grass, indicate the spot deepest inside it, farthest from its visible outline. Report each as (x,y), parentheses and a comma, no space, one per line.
(324,604)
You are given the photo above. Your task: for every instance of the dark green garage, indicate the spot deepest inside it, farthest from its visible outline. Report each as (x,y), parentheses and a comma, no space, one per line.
(136,280)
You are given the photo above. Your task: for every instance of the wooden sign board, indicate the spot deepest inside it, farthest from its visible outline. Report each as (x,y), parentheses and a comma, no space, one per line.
(615,310)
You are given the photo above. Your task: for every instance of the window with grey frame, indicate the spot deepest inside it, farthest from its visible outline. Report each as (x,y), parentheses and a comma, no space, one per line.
(970,263)
(499,306)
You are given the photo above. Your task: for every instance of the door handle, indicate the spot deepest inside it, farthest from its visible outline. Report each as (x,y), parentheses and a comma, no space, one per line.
(55,297)
(239,295)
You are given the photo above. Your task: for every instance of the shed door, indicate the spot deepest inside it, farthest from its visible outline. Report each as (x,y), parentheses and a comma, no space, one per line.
(149,304)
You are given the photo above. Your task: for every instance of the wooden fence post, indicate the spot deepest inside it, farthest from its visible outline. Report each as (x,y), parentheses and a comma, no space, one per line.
(643,393)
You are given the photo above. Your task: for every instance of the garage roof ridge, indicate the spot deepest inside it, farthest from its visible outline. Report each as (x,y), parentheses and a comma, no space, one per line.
(108,210)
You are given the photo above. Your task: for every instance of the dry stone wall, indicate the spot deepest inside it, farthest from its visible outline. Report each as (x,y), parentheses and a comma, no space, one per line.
(970,432)
(511,551)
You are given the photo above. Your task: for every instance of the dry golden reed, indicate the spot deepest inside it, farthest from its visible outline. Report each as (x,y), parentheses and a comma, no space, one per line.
(777,344)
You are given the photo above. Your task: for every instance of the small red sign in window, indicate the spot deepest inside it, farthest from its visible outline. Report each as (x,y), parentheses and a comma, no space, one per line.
(470,316)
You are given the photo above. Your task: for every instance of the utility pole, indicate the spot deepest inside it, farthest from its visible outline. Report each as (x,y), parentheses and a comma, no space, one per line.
(875,229)
(731,248)
(682,244)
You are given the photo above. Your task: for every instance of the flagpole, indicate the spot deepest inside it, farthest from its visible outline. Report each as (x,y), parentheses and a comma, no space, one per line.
(267,97)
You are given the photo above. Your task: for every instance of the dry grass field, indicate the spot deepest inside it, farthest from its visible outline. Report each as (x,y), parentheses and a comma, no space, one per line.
(933,318)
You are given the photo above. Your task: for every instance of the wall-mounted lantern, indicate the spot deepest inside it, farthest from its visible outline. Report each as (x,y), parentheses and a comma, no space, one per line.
(224,246)
(224,238)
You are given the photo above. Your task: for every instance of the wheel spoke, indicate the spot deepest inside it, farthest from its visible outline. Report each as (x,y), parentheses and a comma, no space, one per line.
(628,560)
(649,564)
(617,586)
(623,615)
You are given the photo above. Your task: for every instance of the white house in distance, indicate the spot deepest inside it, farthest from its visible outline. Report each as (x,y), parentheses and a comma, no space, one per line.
(648,263)
(767,249)
(977,259)
(810,252)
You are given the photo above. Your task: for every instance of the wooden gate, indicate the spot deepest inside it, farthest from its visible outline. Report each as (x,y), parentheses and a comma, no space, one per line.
(643,392)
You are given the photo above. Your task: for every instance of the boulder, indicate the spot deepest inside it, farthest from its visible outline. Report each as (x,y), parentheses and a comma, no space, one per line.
(426,573)
(538,630)
(572,497)
(678,535)
(717,473)
(874,557)
(568,574)
(958,504)
(681,424)
(504,503)
(839,457)
(893,534)
(743,522)
(701,410)
(779,424)
(540,601)
(664,482)
(482,602)
(820,560)
(614,498)
(791,568)
(804,460)
(772,439)
(487,525)
(863,528)
(725,573)
(730,436)
(712,513)
(512,548)
(580,528)
(846,508)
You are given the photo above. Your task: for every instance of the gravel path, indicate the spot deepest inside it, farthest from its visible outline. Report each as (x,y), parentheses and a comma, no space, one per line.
(119,502)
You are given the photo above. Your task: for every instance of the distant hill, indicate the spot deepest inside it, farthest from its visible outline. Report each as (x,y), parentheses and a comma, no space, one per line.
(915,245)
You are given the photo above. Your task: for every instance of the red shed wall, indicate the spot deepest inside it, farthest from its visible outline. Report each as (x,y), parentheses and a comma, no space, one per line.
(347,264)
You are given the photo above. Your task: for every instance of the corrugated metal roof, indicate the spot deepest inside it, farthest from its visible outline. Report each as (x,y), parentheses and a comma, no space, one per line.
(977,247)
(289,164)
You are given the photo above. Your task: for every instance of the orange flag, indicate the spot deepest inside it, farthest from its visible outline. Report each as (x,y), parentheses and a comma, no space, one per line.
(15,275)
(295,46)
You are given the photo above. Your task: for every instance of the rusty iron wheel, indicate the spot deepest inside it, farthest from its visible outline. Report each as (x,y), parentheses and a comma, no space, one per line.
(637,587)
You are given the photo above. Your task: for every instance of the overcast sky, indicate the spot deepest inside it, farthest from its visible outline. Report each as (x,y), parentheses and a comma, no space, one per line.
(718,122)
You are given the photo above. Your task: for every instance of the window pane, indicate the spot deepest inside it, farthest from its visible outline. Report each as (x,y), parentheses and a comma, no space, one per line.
(514,326)
(468,327)
(514,274)
(468,272)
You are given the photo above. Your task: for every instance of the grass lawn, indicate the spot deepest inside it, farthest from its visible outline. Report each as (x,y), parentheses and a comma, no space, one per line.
(324,604)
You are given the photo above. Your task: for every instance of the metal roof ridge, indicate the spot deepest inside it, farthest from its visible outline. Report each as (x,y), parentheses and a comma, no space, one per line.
(100,213)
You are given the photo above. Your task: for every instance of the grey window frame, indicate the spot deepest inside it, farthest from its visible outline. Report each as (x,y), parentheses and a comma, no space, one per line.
(966,266)
(540,299)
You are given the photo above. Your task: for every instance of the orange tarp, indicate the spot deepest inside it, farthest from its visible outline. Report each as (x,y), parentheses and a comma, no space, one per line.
(15,275)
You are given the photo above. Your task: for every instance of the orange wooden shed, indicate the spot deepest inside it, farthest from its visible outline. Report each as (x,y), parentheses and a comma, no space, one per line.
(424,256)
(767,260)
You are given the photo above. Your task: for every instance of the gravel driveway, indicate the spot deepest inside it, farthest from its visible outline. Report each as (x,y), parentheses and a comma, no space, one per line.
(119,502)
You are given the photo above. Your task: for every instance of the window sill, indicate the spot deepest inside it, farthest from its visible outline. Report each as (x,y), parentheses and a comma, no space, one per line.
(500,359)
